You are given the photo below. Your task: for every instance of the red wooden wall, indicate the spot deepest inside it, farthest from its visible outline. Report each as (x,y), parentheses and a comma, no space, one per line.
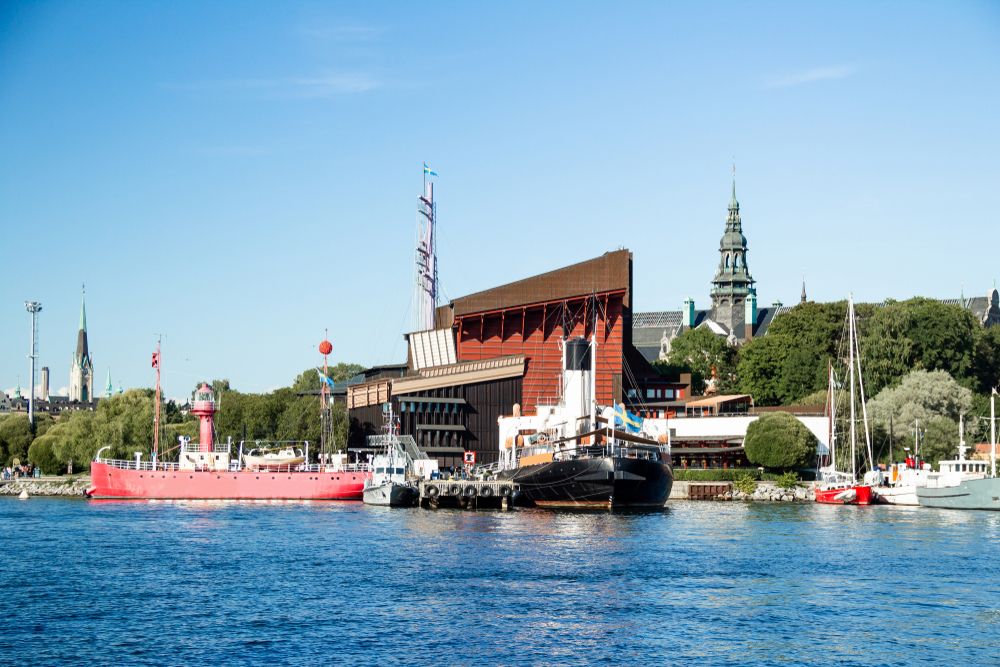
(535,331)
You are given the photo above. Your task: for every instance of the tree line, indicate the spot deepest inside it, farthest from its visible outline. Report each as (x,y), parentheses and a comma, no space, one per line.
(924,361)
(124,423)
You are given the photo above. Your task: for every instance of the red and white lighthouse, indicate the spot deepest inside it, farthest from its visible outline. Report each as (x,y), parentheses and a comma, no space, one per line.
(204,407)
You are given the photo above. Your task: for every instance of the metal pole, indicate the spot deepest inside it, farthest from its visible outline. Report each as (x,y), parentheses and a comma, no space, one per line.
(33,307)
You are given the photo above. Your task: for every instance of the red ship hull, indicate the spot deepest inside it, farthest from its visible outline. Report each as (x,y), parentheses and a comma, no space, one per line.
(846,495)
(108,481)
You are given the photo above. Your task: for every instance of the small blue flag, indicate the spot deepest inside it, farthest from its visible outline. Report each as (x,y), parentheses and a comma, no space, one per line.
(325,379)
(428,171)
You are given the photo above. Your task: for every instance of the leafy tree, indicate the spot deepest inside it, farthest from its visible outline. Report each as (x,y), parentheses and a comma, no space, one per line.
(71,438)
(698,351)
(779,440)
(927,396)
(986,369)
(125,422)
(939,439)
(16,435)
(919,333)
(759,369)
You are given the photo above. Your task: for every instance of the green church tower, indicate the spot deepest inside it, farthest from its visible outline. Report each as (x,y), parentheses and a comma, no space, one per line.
(733,284)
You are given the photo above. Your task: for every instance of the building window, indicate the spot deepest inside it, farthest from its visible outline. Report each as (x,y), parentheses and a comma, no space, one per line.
(650,393)
(669,393)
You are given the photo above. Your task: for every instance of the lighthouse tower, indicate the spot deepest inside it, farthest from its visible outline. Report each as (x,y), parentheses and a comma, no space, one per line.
(204,408)
(204,455)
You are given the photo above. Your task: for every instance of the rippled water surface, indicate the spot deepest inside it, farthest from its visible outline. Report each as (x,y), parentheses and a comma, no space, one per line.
(90,582)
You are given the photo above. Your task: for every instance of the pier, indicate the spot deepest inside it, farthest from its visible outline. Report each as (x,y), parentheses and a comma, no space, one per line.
(467,493)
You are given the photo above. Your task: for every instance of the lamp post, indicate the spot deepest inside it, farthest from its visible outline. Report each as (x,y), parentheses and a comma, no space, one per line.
(33,307)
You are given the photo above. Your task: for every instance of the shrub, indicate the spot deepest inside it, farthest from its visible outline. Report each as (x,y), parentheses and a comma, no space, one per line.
(789,480)
(779,440)
(745,483)
(714,474)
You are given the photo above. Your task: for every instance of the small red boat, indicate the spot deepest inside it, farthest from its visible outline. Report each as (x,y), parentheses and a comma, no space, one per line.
(858,494)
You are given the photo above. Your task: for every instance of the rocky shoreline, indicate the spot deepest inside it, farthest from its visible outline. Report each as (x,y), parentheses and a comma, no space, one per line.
(52,486)
(771,493)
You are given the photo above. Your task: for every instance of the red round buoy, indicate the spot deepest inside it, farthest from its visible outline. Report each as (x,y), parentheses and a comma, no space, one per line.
(326,347)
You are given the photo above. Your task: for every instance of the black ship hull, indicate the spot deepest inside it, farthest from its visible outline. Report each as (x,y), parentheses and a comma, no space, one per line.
(602,482)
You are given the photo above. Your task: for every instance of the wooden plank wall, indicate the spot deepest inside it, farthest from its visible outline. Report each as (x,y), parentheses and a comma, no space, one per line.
(535,331)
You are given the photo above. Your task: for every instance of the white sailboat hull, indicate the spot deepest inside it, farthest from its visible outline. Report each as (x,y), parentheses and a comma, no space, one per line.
(897,495)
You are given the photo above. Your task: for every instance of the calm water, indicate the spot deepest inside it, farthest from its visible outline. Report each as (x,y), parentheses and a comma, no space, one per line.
(707,583)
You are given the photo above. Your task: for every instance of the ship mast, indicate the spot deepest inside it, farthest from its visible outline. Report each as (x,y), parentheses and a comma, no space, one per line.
(426,257)
(156,407)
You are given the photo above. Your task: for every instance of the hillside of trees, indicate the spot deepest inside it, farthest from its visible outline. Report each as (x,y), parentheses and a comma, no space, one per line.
(125,423)
(923,360)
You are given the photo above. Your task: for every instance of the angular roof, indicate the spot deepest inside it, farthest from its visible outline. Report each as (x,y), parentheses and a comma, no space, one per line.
(611,272)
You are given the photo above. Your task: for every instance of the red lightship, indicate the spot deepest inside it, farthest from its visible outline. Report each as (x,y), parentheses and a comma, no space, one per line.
(204,470)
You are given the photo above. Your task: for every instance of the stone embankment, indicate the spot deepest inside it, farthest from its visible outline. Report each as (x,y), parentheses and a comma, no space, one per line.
(764,492)
(771,493)
(45,486)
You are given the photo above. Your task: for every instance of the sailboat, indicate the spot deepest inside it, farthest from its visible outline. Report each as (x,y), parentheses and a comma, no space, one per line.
(841,487)
(965,484)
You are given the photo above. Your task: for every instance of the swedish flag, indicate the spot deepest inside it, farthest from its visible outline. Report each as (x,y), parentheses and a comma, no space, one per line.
(428,171)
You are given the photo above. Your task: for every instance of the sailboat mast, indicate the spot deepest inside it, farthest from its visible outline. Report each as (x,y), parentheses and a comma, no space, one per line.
(833,417)
(861,389)
(850,363)
(993,434)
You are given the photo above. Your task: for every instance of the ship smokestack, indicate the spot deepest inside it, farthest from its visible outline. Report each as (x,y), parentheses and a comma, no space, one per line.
(576,380)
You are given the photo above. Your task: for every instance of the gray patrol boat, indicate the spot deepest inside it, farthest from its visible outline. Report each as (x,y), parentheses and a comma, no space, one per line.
(965,484)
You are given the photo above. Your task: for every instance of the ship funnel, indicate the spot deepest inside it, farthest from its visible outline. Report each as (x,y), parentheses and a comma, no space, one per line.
(576,379)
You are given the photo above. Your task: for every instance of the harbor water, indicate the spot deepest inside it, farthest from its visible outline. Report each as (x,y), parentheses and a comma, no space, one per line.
(126,583)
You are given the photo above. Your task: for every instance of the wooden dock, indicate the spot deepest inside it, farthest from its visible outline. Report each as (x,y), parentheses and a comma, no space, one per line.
(467,493)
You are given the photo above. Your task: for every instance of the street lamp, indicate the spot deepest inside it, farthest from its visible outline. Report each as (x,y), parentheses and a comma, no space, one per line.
(33,307)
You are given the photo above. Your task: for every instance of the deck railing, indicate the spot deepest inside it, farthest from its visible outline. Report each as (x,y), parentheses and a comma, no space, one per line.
(233,467)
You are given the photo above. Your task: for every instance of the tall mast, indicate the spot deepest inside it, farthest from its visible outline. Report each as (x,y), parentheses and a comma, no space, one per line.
(861,389)
(993,434)
(833,418)
(156,407)
(426,256)
(850,363)
(325,423)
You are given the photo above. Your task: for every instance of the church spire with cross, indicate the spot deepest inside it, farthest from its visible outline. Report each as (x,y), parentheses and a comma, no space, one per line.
(81,372)
(733,293)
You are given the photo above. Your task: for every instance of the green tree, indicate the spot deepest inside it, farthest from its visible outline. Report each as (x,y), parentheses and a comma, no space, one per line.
(759,369)
(698,351)
(779,440)
(125,423)
(923,334)
(71,438)
(925,397)
(16,435)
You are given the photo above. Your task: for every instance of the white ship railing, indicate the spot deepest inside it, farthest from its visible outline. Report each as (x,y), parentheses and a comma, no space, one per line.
(233,467)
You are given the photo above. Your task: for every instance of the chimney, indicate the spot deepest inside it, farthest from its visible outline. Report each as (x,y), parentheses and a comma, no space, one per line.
(45,383)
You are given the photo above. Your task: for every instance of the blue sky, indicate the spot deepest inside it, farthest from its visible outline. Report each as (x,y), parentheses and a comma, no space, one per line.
(240,175)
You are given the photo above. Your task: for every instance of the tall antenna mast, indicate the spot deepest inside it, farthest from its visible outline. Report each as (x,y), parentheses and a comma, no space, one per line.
(33,307)
(426,256)
(156,406)
(326,422)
